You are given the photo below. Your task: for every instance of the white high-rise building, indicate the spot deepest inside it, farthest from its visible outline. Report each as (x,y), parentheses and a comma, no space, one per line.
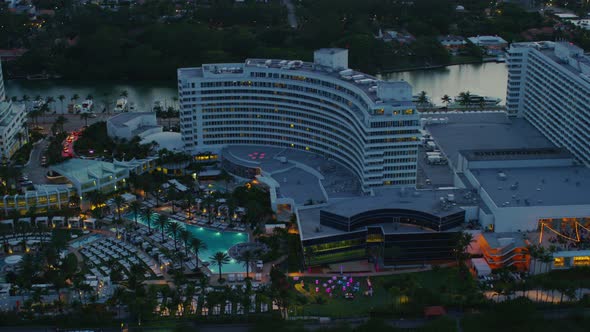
(549,85)
(13,132)
(2,90)
(369,126)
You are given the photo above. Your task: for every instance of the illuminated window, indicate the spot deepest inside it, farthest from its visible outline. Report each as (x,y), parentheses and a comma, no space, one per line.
(582,261)
(409,112)
(558,262)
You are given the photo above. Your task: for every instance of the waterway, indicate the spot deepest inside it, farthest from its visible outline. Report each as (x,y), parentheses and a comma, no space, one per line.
(104,93)
(487,79)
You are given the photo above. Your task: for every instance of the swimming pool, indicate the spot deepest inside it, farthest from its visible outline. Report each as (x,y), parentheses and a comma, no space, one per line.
(215,241)
(81,242)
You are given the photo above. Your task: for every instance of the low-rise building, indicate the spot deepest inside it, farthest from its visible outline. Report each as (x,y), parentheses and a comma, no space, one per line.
(402,37)
(128,125)
(452,43)
(492,45)
(504,249)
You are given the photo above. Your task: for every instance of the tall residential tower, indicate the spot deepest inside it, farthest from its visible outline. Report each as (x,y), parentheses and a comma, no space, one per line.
(369,126)
(549,85)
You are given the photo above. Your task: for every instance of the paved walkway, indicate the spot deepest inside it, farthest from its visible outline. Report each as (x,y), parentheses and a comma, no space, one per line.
(359,274)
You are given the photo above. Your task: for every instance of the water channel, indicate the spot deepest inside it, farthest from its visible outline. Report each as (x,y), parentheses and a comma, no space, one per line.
(487,79)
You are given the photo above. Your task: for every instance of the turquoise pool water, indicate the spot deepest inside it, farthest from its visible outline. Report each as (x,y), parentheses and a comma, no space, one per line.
(216,241)
(81,242)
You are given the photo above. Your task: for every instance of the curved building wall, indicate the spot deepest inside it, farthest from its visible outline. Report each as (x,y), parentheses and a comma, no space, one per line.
(403,216)
(308,109)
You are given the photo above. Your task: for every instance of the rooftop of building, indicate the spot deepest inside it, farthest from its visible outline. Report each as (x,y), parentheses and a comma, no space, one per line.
(536,186)
(547,48)
(502,240)
(85,170)
(481,131)
(310,227)
(366,83)
(428,201)
(301,175)
(487,40)
(434,202)
(121,119)
(168,140)
(515,154)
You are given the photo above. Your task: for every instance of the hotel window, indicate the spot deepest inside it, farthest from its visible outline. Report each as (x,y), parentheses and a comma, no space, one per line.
(582,261)
(558,262)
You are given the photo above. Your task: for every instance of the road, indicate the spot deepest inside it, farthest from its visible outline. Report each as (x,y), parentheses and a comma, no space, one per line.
(291,13)
(34,171)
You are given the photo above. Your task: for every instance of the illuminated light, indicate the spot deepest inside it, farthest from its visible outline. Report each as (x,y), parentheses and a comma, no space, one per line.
(292,125)
(218,233)
(307,148)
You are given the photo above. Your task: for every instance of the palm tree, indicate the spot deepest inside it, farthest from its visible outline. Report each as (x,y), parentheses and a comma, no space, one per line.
(60,121)
(465,98)
(170,114)
(446,100)
(124,93)
(61,99)
(49,101)
(422,98)
(147,214)
(25,100)
(19,136)
(220,259)
(482,104)
(162,223)
(464,241)
(171,195)
(197,245)
(208,202)
(97,199)
(246,258)
(119,201)
(85,117)
(135,206)
(75,97)
(185,236)
(174,229)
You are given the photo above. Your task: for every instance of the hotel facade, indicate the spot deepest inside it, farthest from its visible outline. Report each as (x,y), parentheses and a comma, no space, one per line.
(549,85)
(369,126)
(13,132)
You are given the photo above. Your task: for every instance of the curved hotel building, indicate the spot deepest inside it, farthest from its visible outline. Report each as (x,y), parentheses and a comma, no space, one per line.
(367,125)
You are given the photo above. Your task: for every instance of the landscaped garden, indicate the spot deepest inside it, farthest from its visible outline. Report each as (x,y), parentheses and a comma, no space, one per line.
(341,296)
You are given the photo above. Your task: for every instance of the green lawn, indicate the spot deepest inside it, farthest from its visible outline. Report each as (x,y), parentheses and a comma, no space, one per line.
(431,288)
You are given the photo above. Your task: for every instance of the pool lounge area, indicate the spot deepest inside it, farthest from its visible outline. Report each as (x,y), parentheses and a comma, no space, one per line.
(215,241)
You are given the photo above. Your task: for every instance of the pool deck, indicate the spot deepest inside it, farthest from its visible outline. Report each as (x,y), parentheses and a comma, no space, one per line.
(301,175)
